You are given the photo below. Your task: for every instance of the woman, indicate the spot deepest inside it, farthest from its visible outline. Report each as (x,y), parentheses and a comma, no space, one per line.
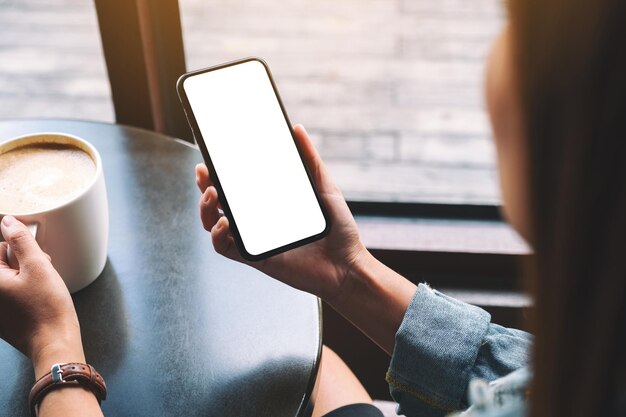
(556,94)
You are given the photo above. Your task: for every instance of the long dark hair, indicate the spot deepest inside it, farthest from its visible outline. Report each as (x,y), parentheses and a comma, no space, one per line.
(571,62)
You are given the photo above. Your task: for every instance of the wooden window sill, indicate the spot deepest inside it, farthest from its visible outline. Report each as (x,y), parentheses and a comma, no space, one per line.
(440,235)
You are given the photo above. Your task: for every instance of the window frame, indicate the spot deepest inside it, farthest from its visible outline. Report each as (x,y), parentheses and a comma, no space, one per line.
(143,64)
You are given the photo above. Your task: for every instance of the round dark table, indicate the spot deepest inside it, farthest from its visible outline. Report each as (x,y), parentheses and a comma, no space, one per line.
(174,328)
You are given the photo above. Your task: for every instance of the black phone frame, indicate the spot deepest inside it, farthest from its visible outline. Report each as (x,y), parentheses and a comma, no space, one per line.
(215,178)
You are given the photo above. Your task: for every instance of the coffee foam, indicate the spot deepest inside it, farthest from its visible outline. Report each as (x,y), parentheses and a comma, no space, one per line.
(41,176)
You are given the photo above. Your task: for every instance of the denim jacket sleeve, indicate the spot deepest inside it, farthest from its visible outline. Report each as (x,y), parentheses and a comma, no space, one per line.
(440,346)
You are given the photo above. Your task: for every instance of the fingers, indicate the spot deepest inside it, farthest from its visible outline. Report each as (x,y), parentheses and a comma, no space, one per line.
(7,273)
(21,241)
(8,267)
(4,256)
(313,161)
(310,154)
(216,223)
(203,180)
(223,241)
(209,205)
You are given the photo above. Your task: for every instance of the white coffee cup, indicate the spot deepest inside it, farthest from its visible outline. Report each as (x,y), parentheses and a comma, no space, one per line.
(75,232)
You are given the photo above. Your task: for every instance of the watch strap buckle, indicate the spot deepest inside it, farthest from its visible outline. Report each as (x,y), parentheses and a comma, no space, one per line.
(57,373)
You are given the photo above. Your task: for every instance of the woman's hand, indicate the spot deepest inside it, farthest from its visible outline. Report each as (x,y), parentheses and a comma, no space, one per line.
(37,315)
(322,267)
(337,268)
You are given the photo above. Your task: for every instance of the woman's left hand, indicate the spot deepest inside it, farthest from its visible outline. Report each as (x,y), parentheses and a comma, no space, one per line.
(37,315)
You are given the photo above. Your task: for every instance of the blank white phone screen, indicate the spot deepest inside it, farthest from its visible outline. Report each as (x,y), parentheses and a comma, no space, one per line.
(255,157)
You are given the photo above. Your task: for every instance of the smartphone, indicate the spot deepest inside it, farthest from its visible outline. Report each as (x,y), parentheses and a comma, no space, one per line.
(248,144)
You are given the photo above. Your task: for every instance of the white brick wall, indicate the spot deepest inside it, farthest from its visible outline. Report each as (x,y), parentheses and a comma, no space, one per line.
(389,88)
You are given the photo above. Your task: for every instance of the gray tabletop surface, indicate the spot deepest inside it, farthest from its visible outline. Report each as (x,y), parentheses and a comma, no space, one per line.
(174,328)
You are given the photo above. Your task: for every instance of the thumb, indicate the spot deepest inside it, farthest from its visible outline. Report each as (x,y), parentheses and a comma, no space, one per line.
(313,161)
(21,241)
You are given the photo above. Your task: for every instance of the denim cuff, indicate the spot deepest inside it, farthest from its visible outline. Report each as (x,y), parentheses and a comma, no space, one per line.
(436,348)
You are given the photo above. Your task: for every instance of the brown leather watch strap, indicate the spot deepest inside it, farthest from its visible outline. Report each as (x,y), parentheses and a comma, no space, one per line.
(67,375)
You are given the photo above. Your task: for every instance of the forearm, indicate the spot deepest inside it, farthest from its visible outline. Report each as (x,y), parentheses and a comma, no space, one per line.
(69,401)
(375,300)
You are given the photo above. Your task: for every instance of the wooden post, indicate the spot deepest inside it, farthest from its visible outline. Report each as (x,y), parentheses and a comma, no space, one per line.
(143,47)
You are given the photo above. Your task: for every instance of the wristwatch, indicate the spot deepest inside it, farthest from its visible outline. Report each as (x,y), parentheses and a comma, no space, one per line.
(66,375)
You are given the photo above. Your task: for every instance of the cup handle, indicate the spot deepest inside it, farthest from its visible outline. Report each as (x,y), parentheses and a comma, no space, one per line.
(10,255)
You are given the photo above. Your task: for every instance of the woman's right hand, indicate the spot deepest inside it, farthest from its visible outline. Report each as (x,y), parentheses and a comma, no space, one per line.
(323,267)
